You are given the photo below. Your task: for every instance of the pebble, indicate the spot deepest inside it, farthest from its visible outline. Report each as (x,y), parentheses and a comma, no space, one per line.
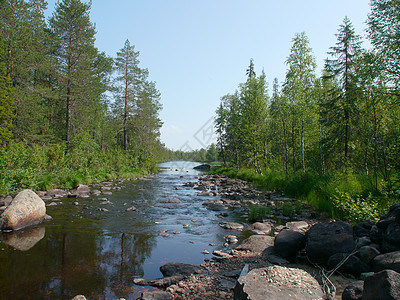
(205,252)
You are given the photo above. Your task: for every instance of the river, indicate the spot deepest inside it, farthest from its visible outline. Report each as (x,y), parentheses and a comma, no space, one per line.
(96,249)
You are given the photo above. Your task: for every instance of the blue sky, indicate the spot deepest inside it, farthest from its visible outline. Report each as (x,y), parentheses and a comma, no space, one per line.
(198,50)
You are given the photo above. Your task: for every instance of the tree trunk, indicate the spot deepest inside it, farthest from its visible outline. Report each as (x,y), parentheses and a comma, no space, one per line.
(126,110)
(294,148)
(286,148)
(68,116)
(302,146)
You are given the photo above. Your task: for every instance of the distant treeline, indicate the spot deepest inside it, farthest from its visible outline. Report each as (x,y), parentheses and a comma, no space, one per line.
(66,102)
(343,126)
(209,155)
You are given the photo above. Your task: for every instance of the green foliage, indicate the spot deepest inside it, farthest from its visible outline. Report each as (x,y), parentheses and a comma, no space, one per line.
(41,168)
(258,212)
(358,208)
(287,209)
(342,195)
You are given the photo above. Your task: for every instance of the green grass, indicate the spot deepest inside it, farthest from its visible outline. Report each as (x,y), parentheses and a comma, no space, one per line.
(342,195)
(45,167)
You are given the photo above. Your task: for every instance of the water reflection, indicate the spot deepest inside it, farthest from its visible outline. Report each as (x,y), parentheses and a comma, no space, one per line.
(25,239)
(84,250)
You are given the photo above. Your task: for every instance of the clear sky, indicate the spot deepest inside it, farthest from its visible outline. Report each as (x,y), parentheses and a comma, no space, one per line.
(198,50)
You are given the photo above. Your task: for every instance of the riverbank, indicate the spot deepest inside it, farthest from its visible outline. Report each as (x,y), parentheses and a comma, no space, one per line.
(309,246)
(341,195)
(35,167)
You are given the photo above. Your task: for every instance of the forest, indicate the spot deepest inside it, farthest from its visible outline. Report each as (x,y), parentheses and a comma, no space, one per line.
(69,113)
(331,140)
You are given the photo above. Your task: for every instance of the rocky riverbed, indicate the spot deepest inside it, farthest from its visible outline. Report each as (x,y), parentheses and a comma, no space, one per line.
(289,250)
(309,257)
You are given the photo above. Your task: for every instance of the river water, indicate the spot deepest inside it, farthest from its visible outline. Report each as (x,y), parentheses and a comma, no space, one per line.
(85,250)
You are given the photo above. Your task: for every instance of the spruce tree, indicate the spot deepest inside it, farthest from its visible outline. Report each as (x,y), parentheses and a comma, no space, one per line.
(342,67)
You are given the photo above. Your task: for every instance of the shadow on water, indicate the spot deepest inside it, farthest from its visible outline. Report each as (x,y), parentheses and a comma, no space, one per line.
(95,247)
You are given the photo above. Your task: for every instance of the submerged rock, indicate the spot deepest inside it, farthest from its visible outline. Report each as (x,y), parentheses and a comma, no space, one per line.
(173,200)
(231,226)
(26,209)
(172,269)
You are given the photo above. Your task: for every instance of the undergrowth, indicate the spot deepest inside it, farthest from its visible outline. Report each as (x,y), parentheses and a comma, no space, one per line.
(45,167)
(343,195)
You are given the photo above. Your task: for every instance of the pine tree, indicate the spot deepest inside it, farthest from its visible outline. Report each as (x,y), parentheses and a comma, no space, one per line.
(127,84)
(29,66)
(80,64)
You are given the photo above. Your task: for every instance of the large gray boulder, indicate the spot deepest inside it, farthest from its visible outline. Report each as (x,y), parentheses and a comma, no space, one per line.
(26,209)
(383,285)
(325,239)
(276,283)
(387,261)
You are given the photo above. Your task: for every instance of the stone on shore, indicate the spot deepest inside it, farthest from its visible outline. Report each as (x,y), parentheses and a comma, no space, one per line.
(276,283)
(353,291)
(257,243)
(385,261)
(352,265)
(288,242)
(79,297)
(6,201)
(382,285)
(156,295)
(260,228)
(325,239)
(26,209)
